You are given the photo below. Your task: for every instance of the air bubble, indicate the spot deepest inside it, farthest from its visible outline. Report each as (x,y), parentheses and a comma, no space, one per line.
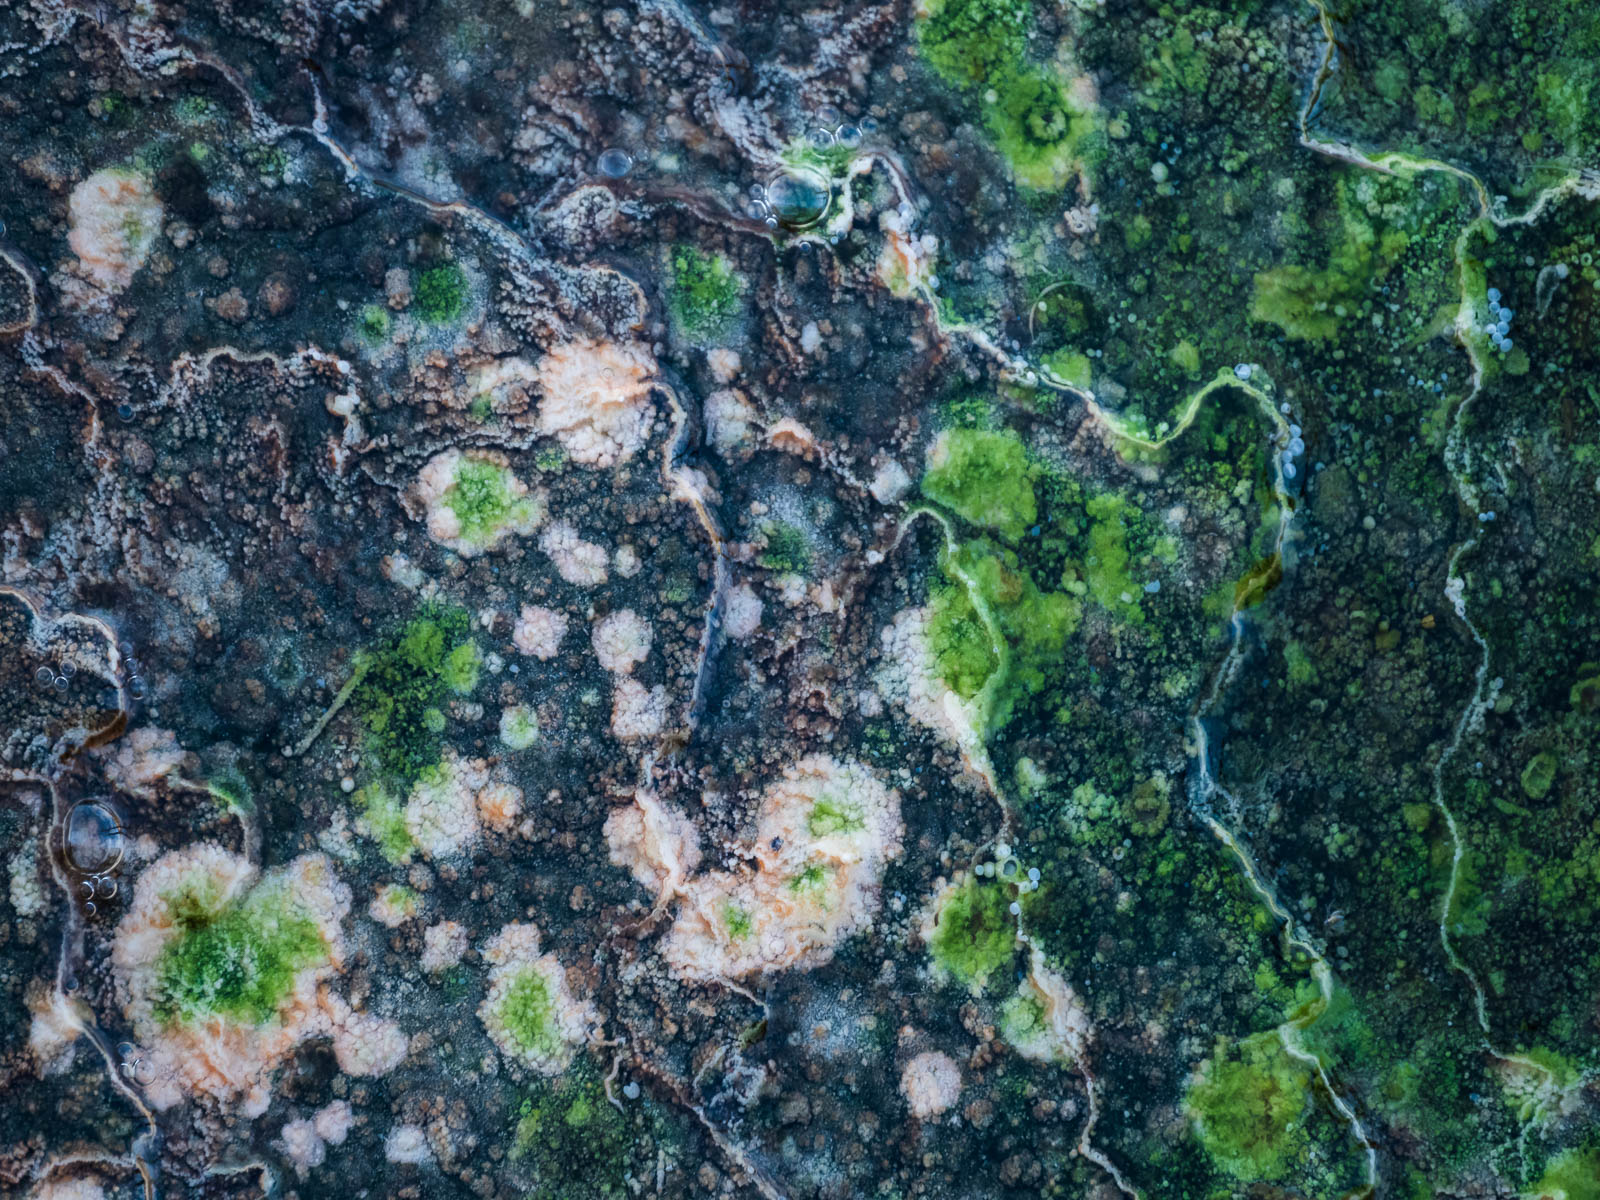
(798,198)
(44,675)
(94,840)
(868,124)
(69,668)
(89,909)
(105,888)
(820,139)
(136,688)
(848,136)
(614,163)
(125,411)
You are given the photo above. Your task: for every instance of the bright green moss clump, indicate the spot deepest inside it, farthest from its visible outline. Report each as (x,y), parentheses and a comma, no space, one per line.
(968,42)
(1037,127)
(981,45)
(441,294)
(405,679)
(985,477)
(974,933)
(704,292)
(483,501)
(236,961)
(1248,1107)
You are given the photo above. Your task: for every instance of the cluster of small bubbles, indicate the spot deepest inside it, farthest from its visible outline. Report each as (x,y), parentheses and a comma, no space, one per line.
(614,163)
(96,888)
(1499,324)
(45,677)
(1486,516)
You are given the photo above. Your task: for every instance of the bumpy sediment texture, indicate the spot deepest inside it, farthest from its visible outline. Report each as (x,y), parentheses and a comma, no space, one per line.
(975,598)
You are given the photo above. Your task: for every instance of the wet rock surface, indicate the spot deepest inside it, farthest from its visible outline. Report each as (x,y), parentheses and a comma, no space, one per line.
(978,598)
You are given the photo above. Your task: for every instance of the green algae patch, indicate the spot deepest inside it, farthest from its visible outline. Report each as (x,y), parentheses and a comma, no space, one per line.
(986,478)
(1248,1106)
(962,648)
(1022,1020)
(1033,624)
(1260,579)
(405,679)
(1070,366)
(704,294)
(519,727)
(528,1012)
(974,935)
(1312,303)
(811,882)
(787,550)
(383,815)
(737,921)
(834,814)
(1539,776)
(1106,563)
(572,1138)
(441,294)
(484,501)
(1573,1175)
(374,324)
(236,961)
